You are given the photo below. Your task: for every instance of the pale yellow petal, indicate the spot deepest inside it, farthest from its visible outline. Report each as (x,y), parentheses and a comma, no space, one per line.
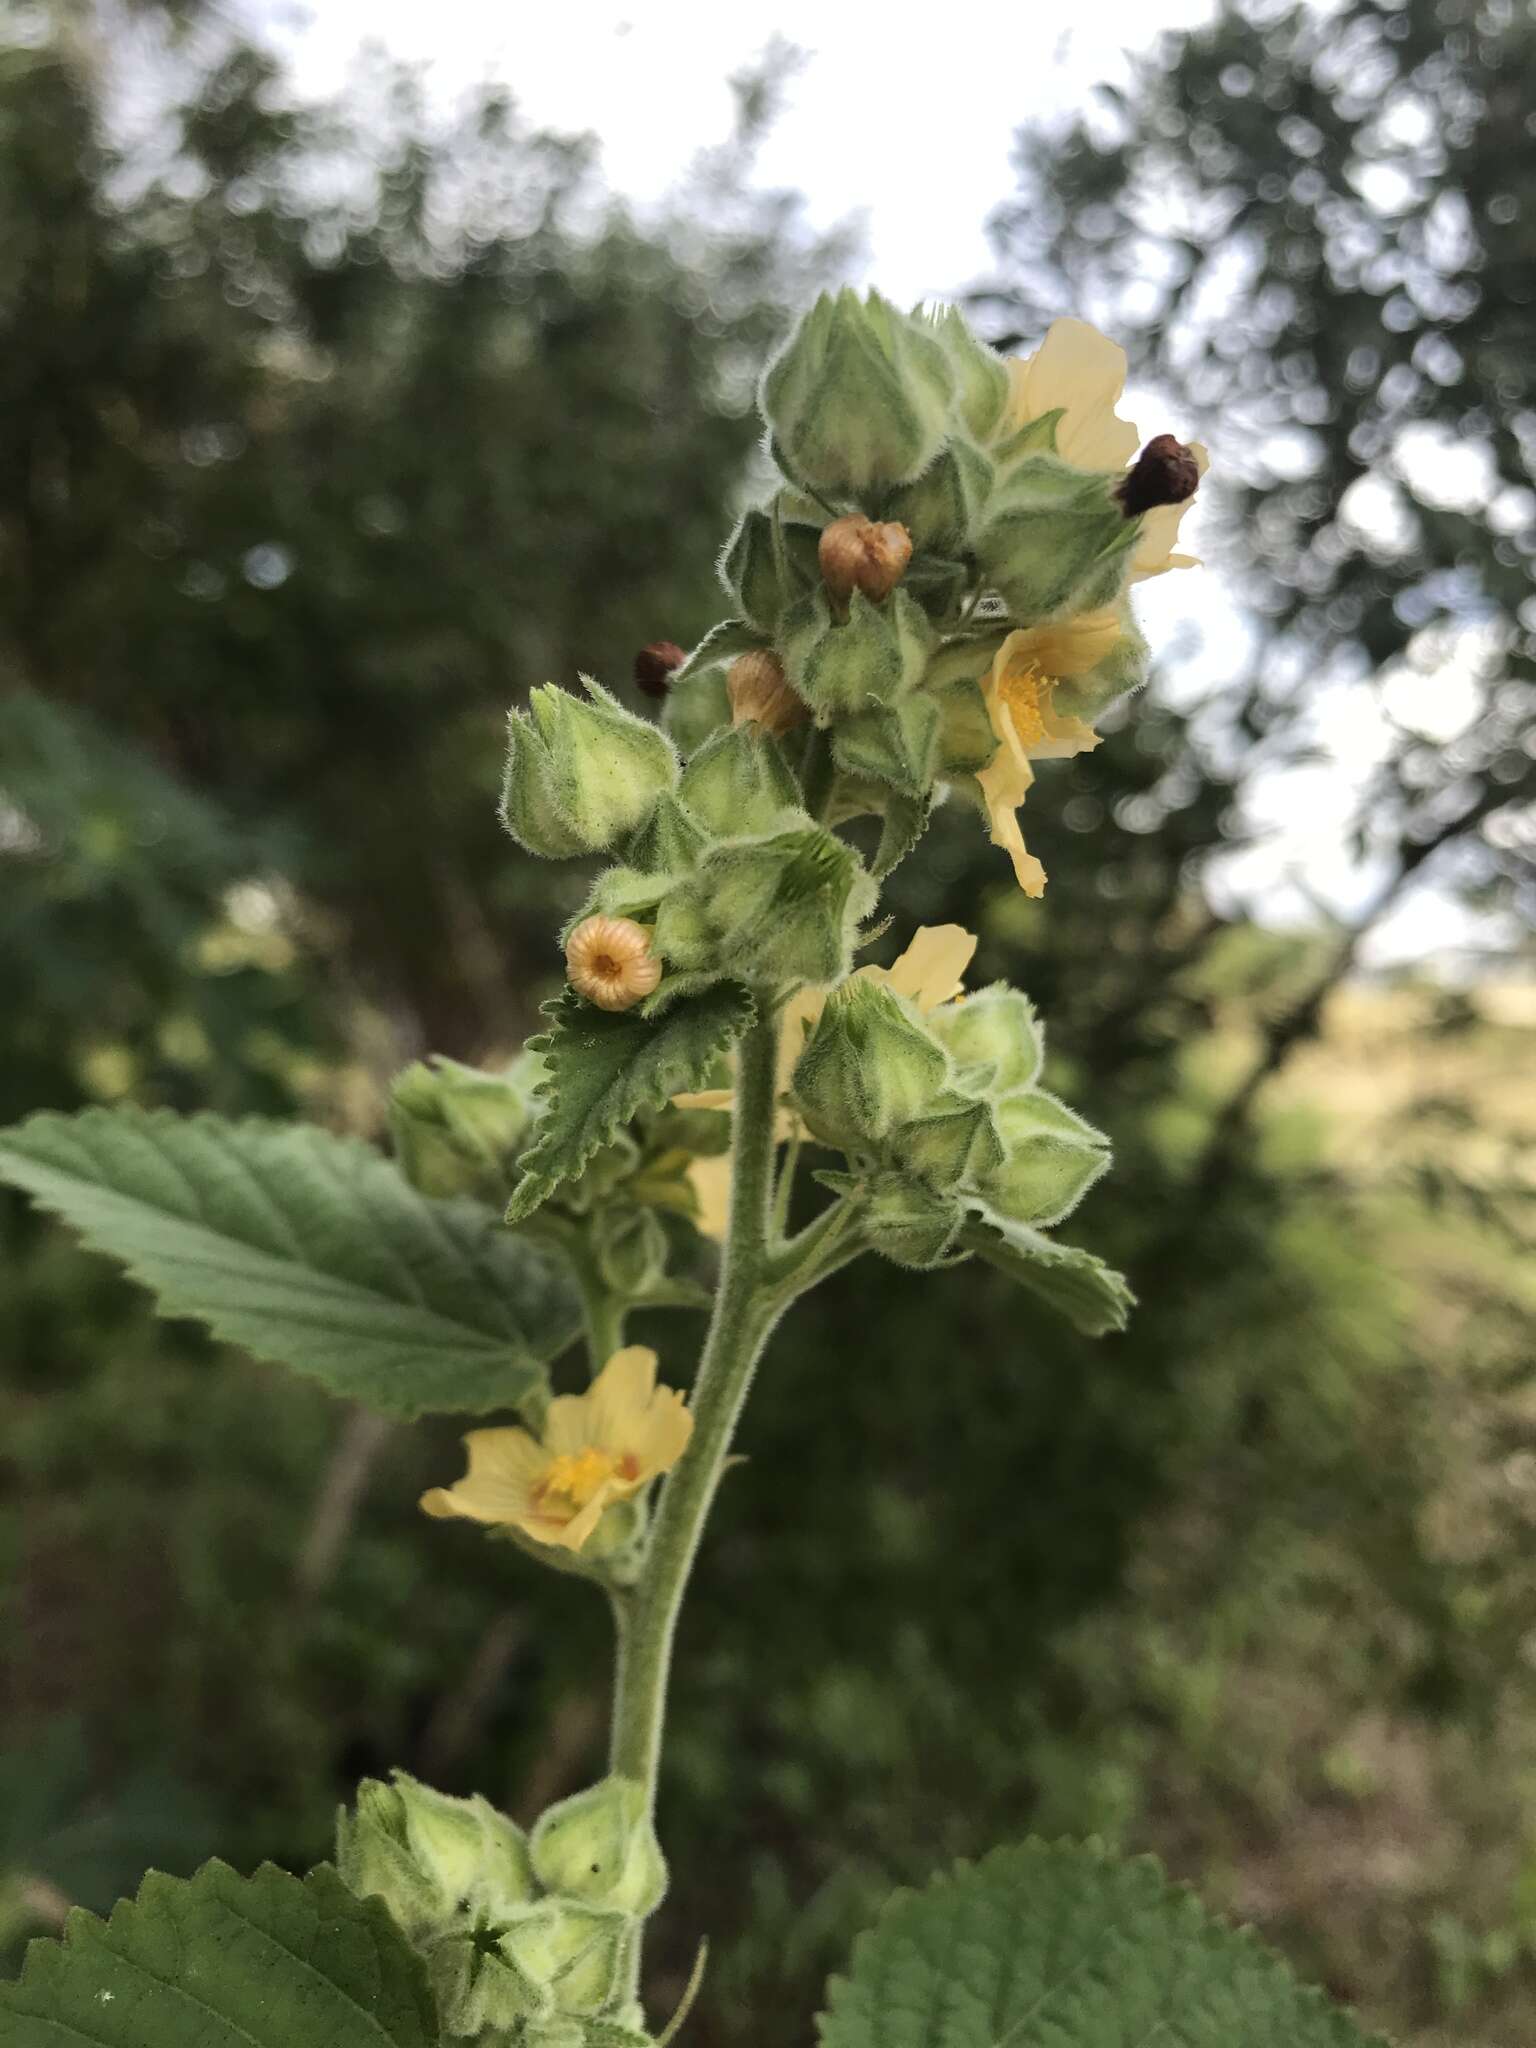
(932,968)
(1154,553)
(1081,371)
(705,1098)
(572,1534)
(1071,648)
(568,1424)
(618,1397)
(710,1180)
(504,1467)
(658,1442)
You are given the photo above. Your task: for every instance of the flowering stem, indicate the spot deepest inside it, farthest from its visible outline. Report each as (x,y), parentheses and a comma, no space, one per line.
(745,1311)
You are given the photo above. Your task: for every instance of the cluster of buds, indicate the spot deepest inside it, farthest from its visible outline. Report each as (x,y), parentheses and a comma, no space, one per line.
(525,1938)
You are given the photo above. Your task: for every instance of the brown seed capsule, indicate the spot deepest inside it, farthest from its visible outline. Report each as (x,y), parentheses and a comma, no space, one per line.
(760,694)
(654,665)
(610,962)
(856,554)
(1164,473)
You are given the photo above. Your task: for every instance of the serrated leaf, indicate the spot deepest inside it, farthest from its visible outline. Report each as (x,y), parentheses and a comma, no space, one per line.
(223,1961)
(306,1249)
(1075,1282)
(1054,1945)
(602,1067)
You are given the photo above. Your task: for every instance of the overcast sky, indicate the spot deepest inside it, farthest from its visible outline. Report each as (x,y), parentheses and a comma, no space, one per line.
(902,116)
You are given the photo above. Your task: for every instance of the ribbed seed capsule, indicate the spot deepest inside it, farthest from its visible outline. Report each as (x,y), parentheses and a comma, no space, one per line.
(610,962)
(760,694)
(856,554)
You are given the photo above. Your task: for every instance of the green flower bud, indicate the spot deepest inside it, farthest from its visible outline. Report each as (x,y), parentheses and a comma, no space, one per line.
(573,1950)
(891,743)
(698,704)
(910,1226)
(967,740)
(859,398)
(456,1129)
(581,774)
(762,579)
(608,1168)
(868,1068)
(667,843)
(435,1860)
(599,1847)
(877,654)
(1053,1158)
(739,782)
(955,1141)
(1123,670)
(631,1249)
(943,507)
(981,375)
(994,1038)
(775,909)
(1055,540)
(482,1994)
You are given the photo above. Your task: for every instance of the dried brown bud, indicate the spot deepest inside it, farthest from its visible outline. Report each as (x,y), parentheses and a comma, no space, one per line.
(654,665)
(760,694)
(610,962)
(856,554)
(1164,473)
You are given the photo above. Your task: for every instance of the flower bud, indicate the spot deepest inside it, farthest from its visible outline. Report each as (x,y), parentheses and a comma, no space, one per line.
(760,694)
(994,1038)
(1052,1159)
(631,1249)
(573,1951)
(654,665)
(765,575)
(982,382)
(434,1859)
(698,706)
(599,1846)
(1056,541)
(1164,473)
(869,1068)
(909,1226)
(739,782)
(610,962)
(669,841)
(580,774)
(953,1142)
(878,653)
(856,554)
(943,507)
(781,908)
(967,741)
(859,397)
(456,1129)
(896,744)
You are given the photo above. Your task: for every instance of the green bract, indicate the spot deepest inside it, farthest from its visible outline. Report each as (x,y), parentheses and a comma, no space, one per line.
(1055,541)
(876,654)
(581,772)
(456,1129)
(859,398)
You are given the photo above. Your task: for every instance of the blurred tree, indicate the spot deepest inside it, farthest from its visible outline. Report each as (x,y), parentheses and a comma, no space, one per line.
(1314,230)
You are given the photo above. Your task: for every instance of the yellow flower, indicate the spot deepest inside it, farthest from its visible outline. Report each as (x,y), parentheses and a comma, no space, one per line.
(1082,372)
(599,1447)
(1019,691)
(928,971)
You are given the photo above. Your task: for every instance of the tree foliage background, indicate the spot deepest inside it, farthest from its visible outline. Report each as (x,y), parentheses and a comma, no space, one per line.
(328,433)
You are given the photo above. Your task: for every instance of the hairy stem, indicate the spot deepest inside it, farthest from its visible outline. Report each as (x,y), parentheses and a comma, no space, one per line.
(745,1311)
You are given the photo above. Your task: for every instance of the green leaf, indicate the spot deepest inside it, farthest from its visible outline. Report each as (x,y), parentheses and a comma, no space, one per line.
(306,1249)
(1053,1945)
(1075,1282)
(223,1961)
(602,1067)
(721,643)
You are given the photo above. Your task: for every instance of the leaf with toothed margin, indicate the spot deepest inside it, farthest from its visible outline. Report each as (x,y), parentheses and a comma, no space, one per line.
(1075,1282)
(1058,1945)
(223,1961)
(307,1249)
(601,1067)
